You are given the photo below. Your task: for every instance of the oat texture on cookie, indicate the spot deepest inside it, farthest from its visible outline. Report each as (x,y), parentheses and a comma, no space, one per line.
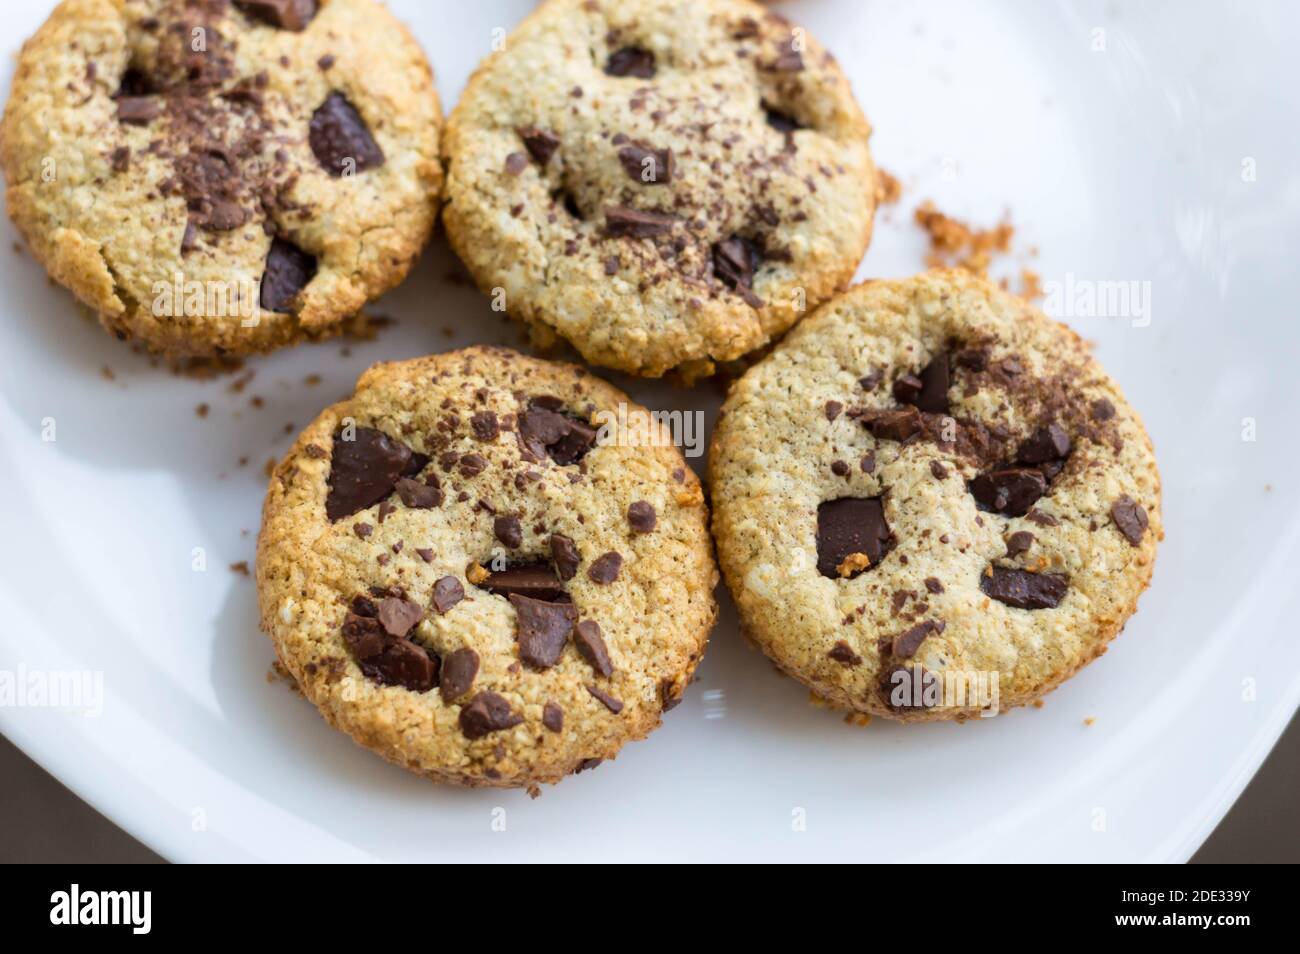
(470,577)
(223,176)
(665,184)
(930,489)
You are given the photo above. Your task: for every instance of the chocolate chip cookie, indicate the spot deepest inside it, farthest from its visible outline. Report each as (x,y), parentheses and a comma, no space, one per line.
(223,176)
(664,184)
(469,572)
(930,501)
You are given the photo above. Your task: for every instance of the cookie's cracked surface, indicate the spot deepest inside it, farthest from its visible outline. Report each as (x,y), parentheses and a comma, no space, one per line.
(663,183)
(223,176)
(465,577)
(929,482)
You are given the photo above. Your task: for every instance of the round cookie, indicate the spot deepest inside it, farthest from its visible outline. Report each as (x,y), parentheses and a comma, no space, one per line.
(930,489)
(223,176)
(663,183)
(468,573)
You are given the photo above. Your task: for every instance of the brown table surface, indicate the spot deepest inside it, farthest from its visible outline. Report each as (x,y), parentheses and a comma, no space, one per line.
(41,821)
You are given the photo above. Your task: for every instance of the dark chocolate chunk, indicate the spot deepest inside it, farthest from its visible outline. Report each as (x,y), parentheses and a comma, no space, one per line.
(847,526)
(591,645)
(387,659)
(907,389)
(631,61)
(286,14)
(536,580)
(545,431)
(471,465)
(735,261)
(459,670)
(1011,492)
(843,654)
(543,629)
(782,122)
(641,516)
(670,695)
(1048,443)
(138,110)
(833,409)
(565,554)
(288,270)
(933,398)
(586,764)
(363,471)
(485,426)
(622,221)
(647,165)
(447,592)
(417,495)
(896,425)
(120,160)
(508,530)
(933,585)
(1130,517)
(398,616)
(487,712)
(605,568)
(552,717)
(909,641)
(911,687)
(604,698)
(939,471)
(1041,518)
(540,143)
(1019,542)
(1022,589)
(340,139)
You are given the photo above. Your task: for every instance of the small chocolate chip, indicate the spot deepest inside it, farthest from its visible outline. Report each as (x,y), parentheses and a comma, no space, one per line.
(833,409)
(540,143)
(605,568)
(641,517)
(286,14)
(868,463)
(340,139)
(509,531)
(1022,589)
(487,712)
(459,669)
(565,554)
(631,61)
(447,592)
(1019,542)
(471,465)
(933,585)
(609,702)
(591,646)
(1102,410)
(624,222)
(138,110)
(516,163)
(1130,517)
(484,425)
(939,471)
(648,165)
(552,717)
(839,468)
(843,654)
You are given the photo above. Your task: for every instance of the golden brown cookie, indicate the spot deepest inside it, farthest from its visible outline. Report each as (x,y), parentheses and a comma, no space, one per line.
(471,575)
(223,176)
(930,501)
(663,183)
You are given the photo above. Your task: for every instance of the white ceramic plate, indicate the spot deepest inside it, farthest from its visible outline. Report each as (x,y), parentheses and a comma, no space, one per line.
(1154,144)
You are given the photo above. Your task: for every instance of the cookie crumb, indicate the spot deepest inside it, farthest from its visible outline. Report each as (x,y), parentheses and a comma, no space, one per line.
(888,189)
(1089,720)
